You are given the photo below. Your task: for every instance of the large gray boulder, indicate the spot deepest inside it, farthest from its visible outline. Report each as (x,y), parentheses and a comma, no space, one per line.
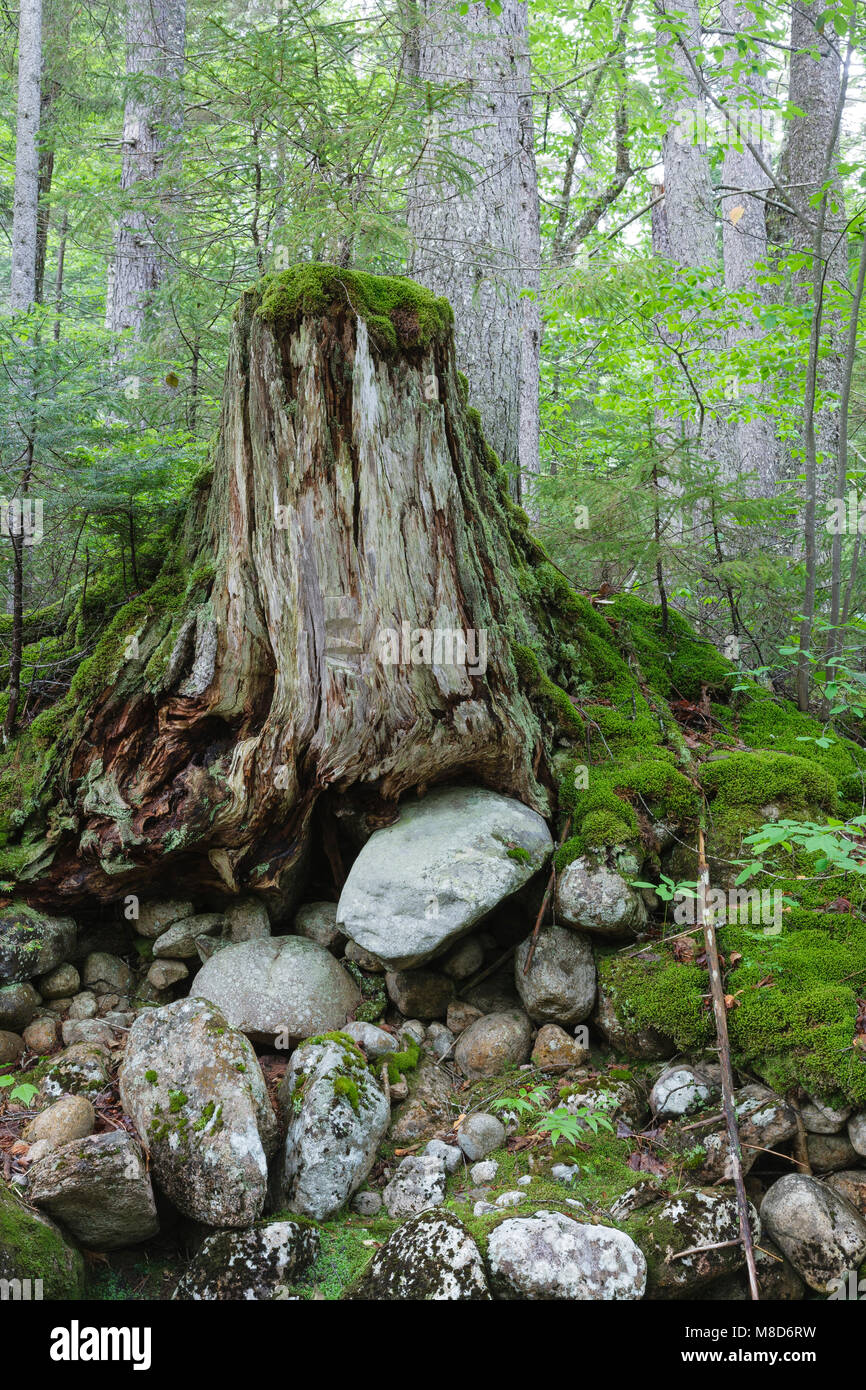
(281,987)
(337,1116)
(99,1189)
(252,1266)
(560,984)
(431,1258)
(195,1091)
(598,899)
(420,884)
(32,942)
(551,1256)
(821,1233)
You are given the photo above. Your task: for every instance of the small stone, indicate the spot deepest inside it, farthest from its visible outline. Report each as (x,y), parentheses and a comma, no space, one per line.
(565,1172)
(460,1015)
(483,1209)
(11,1047)
(493,1043)
(106,974)
(19,1004)
(485,1171)
(857,1132)
(88,1030)
(525,1180)
(850,1184)
(440,1040)
(420,993)
(399,1090)
(246,919)
(367,1203)
(828,1152)
(79,1070)
(71,1117)
(465,961)
(418,1183)
(41,1035)
(156,918)
(165,973)
(509,1199)
(364,959)
(62,981)
(560,985)
(450,1154)
(480,1134)
(556,1050)
(178,943)
(413,1028)
(84,1005)
(375,1041)
(318,922)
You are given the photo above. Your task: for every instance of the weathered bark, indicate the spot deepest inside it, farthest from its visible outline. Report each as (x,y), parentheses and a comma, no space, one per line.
(26,198)
(811,155)
(744,245)
(477,238)
(155,36)
(352,493)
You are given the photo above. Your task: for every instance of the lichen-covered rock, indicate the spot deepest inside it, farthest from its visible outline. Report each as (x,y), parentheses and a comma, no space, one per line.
(560,984)
(254,1265)
(556,1050)
(764,1121)
(195,1091)
(71,1117)
(681,1090)
(419,1183)
(448,860)
(618,1097)
(598,899)
(80,1069)
(431,1258)
(281,987)
(99,1188)
(494,1042)
(428,1108)
(821,1118)
(821,1233)
(701,1222)
(337,1116)
(59,983)
(420,993)
(375,1041)
(551,1256)
(32,1248)
(32,942)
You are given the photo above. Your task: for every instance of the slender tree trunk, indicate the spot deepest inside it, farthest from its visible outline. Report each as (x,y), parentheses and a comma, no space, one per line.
(476,232)
(744,243)
(155,35)
(25,211)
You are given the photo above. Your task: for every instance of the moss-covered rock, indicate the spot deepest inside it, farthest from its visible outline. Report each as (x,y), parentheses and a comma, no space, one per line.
(32,1248)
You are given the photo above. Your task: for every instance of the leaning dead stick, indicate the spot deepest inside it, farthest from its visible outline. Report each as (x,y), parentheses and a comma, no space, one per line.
(544,902)
(705,920)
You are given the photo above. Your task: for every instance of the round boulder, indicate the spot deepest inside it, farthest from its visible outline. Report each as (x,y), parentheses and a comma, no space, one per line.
(494,1042)
(559,986)
(598,899)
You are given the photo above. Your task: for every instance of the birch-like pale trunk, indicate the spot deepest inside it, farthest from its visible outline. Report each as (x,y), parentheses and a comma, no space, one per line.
(25,207)
(155,37)
(476,238)
(744,244)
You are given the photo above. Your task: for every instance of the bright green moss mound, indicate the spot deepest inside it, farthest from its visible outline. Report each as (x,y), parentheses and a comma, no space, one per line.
(605,812)
(676,663)
(31,1248)
(755,779)
(766,723)
(795,998)
(398,312)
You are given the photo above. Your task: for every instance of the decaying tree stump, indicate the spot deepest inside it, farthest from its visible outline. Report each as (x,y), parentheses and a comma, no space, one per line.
(346,618)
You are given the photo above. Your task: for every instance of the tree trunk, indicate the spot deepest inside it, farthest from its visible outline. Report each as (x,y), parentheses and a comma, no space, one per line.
(744,244)
(339,621)
(25,210)
(475,225)
(155,35)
